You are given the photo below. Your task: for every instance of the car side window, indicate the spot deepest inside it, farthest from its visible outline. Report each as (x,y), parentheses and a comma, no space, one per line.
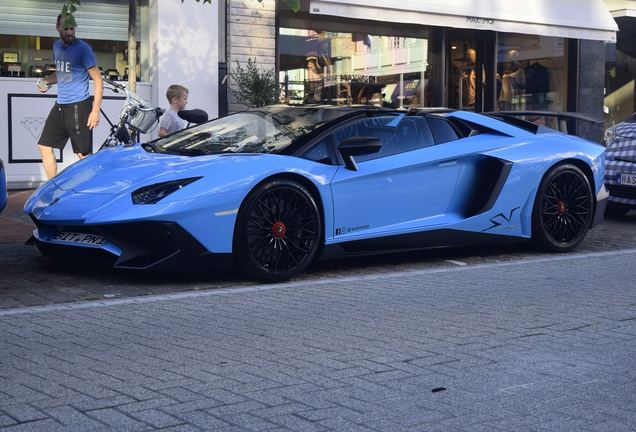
(398,134)
(321,152)
(442,130)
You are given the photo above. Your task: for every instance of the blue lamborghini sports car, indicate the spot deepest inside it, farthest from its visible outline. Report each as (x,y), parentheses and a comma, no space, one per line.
(271,189)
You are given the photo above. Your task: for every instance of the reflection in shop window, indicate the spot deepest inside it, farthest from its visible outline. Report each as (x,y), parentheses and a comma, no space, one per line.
(620,75)
(532,74)
(349,68)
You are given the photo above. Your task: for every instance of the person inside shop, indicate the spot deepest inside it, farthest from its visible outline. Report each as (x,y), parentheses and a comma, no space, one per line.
(170,121)
(74,115)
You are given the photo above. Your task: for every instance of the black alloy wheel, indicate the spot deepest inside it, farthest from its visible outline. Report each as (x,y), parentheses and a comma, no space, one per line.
(563,209)
(278,231)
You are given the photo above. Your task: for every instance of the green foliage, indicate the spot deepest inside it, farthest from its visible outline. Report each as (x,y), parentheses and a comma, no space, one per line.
(67,10)
(255,87)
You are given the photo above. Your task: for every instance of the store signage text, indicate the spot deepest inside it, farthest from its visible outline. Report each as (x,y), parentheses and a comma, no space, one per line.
(480,20)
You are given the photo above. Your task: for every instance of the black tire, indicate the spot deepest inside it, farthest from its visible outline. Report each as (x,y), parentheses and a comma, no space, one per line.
(278,231)
(563,209)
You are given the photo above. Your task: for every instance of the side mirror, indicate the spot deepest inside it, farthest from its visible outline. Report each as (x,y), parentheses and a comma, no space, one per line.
(356,146)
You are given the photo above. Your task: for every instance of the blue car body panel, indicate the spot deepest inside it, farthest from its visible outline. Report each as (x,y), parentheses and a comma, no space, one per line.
(428,188)
(483,185)
(94,193)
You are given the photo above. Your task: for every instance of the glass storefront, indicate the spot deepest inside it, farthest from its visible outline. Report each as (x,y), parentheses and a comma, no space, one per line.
(341,64)
(26,39)
(339,61)
(531,73)
(620,73)
(31,56)
(462,69)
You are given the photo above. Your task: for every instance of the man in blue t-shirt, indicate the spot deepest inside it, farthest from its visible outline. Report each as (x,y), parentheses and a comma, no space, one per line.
(73,115)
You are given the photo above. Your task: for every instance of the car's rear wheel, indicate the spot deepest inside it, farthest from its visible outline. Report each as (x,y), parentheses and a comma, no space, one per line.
(563,209)
(278,231)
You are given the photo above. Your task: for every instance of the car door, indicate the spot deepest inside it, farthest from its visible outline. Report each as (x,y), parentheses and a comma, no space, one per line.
(406,185)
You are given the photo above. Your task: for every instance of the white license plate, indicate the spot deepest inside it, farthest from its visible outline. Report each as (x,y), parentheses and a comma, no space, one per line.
(627,179)
(79,238)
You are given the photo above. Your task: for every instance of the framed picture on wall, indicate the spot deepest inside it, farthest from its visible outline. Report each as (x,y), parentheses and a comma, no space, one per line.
(27,114)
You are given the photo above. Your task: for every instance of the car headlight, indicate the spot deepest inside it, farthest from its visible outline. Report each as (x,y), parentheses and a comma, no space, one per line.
(609,136)
(154,193)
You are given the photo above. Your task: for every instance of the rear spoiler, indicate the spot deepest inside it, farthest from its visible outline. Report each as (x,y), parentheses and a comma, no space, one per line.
(561,116)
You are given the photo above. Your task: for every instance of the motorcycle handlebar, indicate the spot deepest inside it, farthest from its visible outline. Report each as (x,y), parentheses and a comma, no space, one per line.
(130,96)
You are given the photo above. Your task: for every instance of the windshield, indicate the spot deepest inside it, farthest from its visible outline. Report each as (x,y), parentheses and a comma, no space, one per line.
(264,130)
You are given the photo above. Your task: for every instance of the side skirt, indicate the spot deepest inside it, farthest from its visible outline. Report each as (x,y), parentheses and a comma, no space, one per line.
(413,241)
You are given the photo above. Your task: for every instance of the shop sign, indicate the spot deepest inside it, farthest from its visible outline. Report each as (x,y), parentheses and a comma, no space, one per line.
(480,20)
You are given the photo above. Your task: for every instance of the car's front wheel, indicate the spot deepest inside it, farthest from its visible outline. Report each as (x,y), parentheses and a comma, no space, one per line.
(563,209)
(278,231)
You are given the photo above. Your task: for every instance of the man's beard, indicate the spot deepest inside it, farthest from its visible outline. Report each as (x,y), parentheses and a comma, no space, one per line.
(68,39)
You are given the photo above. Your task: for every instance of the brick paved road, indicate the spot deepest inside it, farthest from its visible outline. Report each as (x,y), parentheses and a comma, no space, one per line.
(524,345)
(29,279)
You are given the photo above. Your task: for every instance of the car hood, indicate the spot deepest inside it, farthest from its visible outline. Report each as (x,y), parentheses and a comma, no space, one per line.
(624,145)
(626,129)
(117,170)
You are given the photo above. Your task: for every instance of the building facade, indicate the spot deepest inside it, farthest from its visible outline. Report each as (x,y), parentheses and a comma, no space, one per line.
(411,54)
(490,56)
(486,57)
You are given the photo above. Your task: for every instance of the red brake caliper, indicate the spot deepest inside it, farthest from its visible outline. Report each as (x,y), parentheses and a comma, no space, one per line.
(278,230)
(561,207)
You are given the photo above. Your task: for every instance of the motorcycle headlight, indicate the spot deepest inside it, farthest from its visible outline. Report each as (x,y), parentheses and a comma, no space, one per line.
(609,136)
(154,193)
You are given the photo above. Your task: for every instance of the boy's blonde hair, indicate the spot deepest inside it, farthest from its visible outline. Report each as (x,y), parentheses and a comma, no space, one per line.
(175,91)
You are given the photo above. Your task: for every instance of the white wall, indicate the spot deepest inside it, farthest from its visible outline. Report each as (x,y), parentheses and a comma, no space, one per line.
(186,52)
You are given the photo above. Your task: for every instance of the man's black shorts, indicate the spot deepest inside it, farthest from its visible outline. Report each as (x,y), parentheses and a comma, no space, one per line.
(69,121)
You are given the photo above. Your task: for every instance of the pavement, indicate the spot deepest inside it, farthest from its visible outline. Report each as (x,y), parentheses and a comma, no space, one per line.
(29,279)
(15,225)
(515,341)
(545,344)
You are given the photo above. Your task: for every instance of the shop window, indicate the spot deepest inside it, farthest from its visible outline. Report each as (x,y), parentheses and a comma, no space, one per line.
(620,73)
(531,73)
(29,33)
(374,66)
(34,57)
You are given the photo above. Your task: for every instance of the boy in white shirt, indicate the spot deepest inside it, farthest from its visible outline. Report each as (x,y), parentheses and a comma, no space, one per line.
(170,122)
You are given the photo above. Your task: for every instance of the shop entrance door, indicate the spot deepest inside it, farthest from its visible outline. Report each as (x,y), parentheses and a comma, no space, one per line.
(465,89)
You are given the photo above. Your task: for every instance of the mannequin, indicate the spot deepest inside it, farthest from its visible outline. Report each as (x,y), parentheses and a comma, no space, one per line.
(512,81)
(469,76)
